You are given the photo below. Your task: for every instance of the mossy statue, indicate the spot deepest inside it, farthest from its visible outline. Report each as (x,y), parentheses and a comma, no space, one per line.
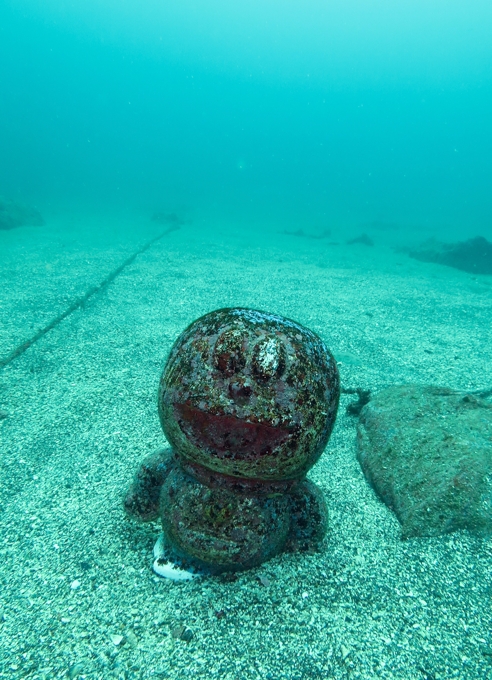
(247,401)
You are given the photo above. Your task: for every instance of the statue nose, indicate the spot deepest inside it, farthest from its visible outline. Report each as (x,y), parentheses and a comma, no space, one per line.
(239,392)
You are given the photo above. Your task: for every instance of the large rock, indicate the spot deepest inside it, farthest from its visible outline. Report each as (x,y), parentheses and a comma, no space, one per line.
(427,451)
(474,255)
(14,214)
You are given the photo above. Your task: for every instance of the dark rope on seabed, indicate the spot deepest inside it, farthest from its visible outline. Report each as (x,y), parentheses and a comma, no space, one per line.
(80,302)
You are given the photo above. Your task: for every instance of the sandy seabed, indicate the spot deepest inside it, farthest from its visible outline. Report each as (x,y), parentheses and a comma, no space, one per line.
(78,597)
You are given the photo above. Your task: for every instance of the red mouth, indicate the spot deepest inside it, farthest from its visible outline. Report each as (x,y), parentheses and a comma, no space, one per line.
(228,436)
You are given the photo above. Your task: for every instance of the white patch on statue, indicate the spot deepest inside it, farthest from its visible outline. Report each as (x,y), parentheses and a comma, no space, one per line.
(165,568)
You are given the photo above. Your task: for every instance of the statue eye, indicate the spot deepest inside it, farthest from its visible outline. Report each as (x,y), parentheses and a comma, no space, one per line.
(268,359)
(229,352)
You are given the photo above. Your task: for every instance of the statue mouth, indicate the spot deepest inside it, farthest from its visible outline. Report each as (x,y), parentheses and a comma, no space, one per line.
(228,436)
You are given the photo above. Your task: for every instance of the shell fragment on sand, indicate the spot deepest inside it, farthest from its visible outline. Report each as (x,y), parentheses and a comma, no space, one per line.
(167,569)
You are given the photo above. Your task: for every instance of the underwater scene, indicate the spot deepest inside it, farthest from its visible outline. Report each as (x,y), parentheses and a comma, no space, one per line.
(246,339)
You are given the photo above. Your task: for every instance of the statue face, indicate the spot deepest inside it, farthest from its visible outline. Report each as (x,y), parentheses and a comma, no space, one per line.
(249,394)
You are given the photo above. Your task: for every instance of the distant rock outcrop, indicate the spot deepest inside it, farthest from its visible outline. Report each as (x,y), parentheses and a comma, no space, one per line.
(474,255)
(14,214)
(363,239)
(427,451)
(326,233)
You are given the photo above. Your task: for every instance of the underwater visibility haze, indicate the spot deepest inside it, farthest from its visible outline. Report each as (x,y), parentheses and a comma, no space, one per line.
(245,346)
(334,112)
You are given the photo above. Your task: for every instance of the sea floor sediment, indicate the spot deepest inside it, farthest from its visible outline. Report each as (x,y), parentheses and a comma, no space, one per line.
(78,596)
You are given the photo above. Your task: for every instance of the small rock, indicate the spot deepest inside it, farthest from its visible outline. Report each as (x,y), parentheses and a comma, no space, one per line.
(344,651)
(76,670)
(186,635)
(117,640)
(3,414)
(182,633)
(132,639)
(264,580)
(177,631)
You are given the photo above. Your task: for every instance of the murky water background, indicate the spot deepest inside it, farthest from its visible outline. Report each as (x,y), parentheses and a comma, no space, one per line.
(278,155)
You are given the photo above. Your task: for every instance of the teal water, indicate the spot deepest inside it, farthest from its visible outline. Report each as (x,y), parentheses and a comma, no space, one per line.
(333,113)
(293,153)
